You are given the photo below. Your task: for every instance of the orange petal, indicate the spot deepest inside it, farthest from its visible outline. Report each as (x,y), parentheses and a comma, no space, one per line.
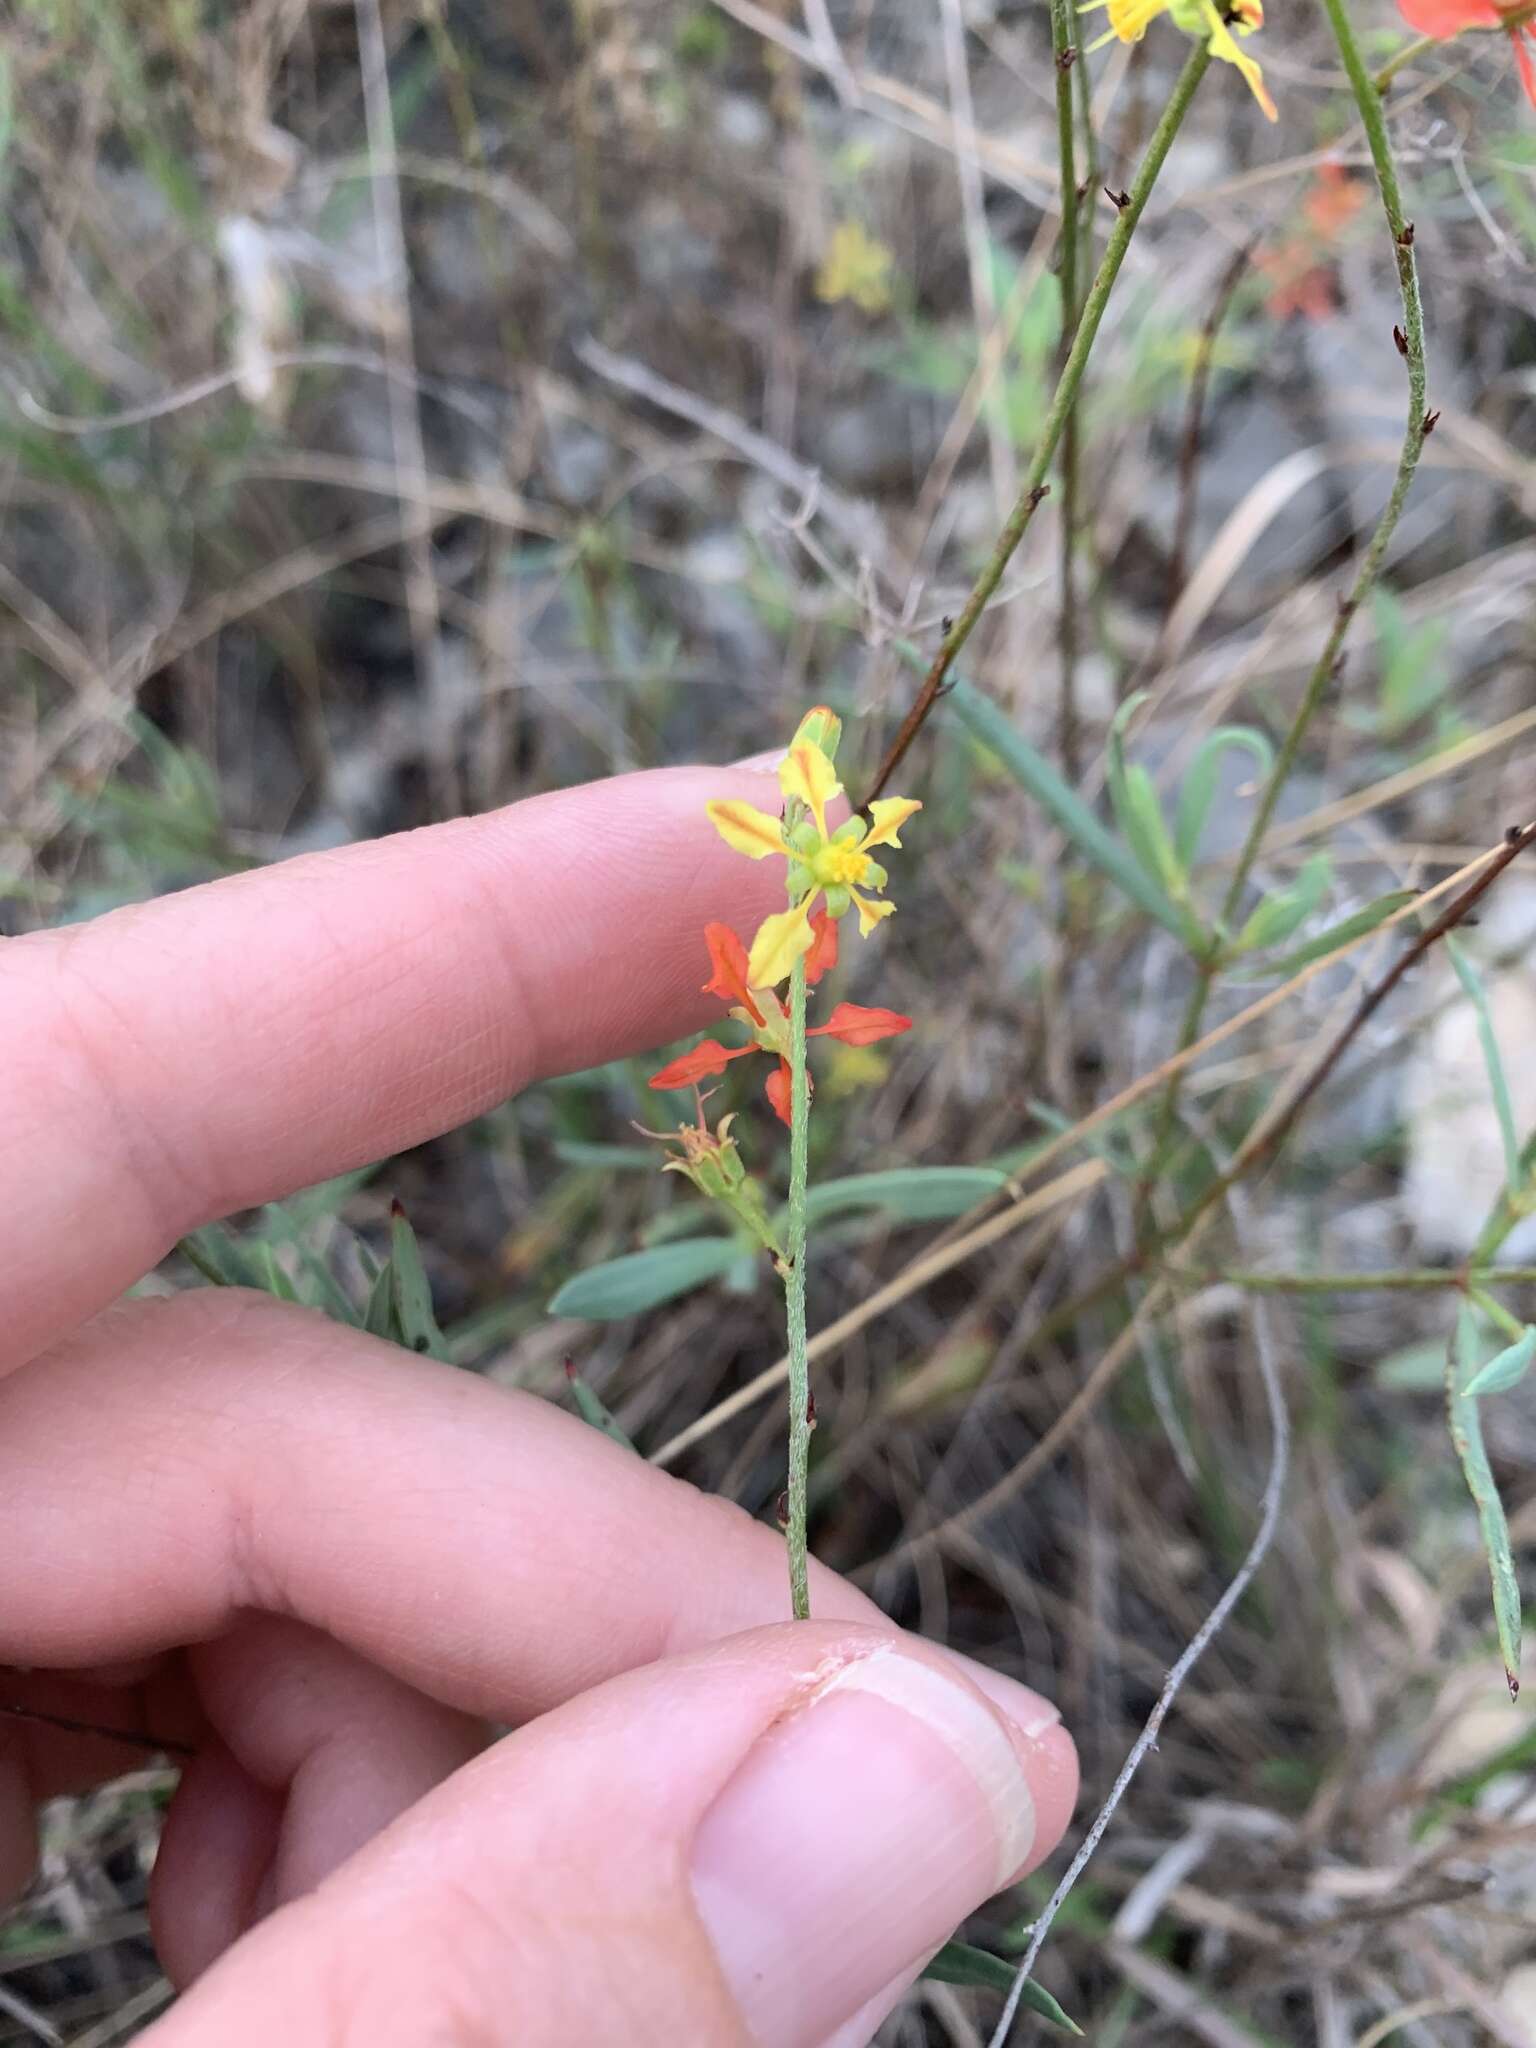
(707,1058)
(779,1092)
(1446,18)
(1523,63)
(728,957)
(822,957)
(745,829)
(852,1024)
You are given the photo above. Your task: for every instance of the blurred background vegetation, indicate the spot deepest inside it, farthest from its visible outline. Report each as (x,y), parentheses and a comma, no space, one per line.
(407,409)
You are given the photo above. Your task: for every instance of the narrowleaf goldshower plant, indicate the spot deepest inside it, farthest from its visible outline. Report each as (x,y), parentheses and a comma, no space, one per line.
(833,866)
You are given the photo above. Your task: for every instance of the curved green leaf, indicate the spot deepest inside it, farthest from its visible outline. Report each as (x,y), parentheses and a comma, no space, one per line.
(1506,1369)
(1034,773)
(1344,933)
(1281,914)
(1197,792)
(1467,1435)
(642,1280)
(958,1963)
(1472,983)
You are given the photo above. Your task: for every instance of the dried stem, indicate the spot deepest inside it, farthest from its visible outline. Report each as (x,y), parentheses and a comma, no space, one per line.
(1420,423)
(1065,55)
(1034,487)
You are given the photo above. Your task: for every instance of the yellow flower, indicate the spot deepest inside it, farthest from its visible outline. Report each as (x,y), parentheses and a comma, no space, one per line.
(836,864)
(855,267)
(1129,20)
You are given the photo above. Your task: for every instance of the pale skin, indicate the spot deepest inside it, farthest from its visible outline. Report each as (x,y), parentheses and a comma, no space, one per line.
(327,1565)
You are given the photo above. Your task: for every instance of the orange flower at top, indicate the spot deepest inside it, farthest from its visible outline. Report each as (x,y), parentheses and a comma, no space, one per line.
(766,1017)
(1443,19)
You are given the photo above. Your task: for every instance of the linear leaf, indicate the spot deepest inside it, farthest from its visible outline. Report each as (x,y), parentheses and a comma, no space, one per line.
(1506,1369)
(1467,1435)
(591,1408)
(1033,772)
(411,1290)
(1197,792)
(642,1280)
(958,1963)
(1356,926)
(1472,984)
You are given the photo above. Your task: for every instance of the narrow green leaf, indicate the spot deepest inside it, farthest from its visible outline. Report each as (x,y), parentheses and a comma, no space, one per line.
(1472,984)
(379,1316)
(1344,933)
(411,1290)
(1197,792)
(1030,769)
(915,1194)
(1467,1435)
(958,1963)
(275,1280)
(216,1256)
(611,1158)
(642,1280)
(1279,915)
(1138,810)
(1506,1369)
(591,1409)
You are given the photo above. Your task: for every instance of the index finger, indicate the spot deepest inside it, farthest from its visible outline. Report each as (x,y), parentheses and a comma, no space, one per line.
(184,1058)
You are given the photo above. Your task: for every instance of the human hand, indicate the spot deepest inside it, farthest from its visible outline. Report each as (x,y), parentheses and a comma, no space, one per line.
(326,1564)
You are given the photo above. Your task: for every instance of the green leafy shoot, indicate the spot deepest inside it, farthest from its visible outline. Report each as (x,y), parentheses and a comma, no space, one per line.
(1034,773)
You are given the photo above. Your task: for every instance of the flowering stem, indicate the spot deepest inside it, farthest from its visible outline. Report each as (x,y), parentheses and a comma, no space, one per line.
(794,1298)
(1034,486)
(1325,671)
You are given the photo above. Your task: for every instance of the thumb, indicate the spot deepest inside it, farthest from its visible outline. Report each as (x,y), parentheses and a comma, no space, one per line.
(741,1846)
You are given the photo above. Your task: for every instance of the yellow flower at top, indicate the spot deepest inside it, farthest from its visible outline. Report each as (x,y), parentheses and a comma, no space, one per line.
(1130,19)
(836,865)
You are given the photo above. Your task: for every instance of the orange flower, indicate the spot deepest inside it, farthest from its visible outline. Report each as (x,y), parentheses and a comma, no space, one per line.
(1443,19)
(1301,277)
(766,1017)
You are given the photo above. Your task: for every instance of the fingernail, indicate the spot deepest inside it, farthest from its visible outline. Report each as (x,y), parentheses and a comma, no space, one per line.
(858,1833)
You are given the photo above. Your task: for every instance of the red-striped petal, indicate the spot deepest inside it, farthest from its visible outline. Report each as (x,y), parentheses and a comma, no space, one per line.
(706,1059)
(822,957)
(852,1024)
(728,957)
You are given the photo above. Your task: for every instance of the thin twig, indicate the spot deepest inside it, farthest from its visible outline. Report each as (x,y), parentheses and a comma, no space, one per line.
(1065,55)
(156,1745)
(1034,487)
(1266,1352)
(1194,424)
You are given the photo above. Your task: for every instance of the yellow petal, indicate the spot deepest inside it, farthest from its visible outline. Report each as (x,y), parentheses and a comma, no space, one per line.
(781,940)
(1130,18)
(887,815)
(1223,45)
(746,829)
(870,912)
(806,772)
